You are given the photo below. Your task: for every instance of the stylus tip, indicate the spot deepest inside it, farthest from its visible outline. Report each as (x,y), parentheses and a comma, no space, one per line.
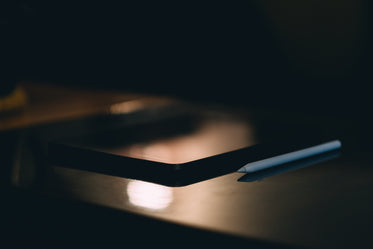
(241,170)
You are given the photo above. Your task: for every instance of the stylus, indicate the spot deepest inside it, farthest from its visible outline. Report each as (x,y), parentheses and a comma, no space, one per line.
(290,157)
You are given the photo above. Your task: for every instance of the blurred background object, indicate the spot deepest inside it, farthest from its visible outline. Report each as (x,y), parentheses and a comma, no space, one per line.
(12,98)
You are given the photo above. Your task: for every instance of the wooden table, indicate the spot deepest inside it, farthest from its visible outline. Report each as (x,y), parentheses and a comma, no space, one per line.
(325,205)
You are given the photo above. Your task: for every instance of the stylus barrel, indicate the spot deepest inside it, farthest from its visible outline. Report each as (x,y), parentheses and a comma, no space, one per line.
(290,157)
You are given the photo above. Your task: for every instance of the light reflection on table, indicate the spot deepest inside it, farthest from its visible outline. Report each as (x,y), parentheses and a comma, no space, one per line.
(149,195)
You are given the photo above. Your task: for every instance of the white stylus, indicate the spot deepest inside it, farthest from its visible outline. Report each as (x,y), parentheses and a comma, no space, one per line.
(290,157)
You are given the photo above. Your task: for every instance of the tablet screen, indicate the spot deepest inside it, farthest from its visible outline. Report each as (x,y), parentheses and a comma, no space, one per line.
(208,137)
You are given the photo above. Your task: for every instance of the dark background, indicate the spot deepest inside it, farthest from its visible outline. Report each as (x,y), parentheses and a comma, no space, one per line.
(308,56)
(304,55)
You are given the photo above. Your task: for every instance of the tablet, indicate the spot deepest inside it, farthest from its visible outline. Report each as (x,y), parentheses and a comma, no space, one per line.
(175,147)
(168,146)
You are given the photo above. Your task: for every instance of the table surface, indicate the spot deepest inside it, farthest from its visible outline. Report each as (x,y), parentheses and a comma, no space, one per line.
(326,203)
